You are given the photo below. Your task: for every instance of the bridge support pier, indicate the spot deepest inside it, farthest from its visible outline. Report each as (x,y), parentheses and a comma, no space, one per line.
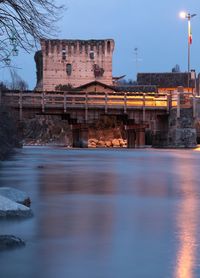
(80,136)
(135,135)
(131,138)
(140,138)
(177,130)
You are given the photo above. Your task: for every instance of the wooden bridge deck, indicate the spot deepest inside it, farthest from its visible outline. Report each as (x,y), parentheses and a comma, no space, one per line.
(81,100)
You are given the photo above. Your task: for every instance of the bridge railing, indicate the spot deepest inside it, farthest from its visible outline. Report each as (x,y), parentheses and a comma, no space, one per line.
(85,100)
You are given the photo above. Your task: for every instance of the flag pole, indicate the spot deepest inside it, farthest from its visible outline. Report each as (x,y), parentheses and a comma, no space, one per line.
(189,42)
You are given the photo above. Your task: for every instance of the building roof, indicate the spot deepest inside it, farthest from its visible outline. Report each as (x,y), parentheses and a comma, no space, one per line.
(135,88)
(164,80)
(121,88)
(94,83)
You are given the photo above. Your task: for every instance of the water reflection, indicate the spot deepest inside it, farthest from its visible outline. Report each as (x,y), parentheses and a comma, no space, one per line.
(187,221)
(76,178)
(105,213)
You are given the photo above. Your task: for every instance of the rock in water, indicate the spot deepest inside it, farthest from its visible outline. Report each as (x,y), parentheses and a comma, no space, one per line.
(9,208)
(15,195)
(10,242)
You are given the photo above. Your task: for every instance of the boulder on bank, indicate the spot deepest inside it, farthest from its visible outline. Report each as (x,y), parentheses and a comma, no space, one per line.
(116,143)
(107,143)
(101,144)
(9,208)
(15,195)
(10,242)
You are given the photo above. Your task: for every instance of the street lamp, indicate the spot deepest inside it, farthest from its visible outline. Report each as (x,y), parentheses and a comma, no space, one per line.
(188,16)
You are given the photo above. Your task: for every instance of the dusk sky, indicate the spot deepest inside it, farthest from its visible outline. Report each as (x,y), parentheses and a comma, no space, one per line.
(154,27)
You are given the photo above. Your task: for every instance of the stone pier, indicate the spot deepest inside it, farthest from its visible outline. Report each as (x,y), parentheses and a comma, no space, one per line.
(135,135)
(182,133)
(80,136)
(177,129)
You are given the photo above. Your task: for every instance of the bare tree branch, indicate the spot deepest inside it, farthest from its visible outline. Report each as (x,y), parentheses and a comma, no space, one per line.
(24,22)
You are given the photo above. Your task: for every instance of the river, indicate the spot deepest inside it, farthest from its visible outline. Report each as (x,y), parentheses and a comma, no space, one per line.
(105,213)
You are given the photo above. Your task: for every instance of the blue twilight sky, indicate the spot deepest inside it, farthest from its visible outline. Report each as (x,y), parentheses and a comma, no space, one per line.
(154,27)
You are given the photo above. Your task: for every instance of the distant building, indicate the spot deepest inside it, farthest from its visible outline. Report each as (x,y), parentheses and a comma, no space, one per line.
(73,63)
(77,64)
(166,81)
(96,86)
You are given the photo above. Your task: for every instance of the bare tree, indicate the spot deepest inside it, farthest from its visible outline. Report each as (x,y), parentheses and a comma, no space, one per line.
(3,86)
(176,68)
(17,83)
(24,22)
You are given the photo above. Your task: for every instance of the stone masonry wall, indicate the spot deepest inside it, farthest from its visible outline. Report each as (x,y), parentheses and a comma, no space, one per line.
(76,62)
(46,129)
(182,133)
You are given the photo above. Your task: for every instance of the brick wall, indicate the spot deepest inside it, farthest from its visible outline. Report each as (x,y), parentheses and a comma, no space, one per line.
(76,62)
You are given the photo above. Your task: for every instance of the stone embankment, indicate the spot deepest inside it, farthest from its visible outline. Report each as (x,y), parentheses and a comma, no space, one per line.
(43,130)
(46,129)
(13,204)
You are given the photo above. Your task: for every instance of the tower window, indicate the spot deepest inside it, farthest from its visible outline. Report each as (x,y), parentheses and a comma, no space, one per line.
(108,47)
(63,54)
(69,69)
(92,55)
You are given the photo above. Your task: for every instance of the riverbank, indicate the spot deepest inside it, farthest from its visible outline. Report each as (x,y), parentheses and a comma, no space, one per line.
(9,138)
(14,204)
(51,130)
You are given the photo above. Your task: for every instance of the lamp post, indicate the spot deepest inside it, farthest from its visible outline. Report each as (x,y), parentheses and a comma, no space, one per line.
(188,16)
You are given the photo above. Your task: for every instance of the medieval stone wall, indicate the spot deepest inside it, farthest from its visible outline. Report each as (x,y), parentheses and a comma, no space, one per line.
(76,62)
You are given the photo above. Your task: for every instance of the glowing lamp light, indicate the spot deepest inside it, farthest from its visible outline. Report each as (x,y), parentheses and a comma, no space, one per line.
(183,15)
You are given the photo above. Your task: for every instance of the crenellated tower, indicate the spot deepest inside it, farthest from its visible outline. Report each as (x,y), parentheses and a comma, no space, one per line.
(74,62)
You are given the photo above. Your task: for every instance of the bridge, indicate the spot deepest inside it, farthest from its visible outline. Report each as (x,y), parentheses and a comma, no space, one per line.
(51,102)
(138,111)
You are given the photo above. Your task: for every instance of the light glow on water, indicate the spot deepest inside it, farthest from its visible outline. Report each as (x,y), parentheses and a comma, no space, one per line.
(105,213)
(187,222)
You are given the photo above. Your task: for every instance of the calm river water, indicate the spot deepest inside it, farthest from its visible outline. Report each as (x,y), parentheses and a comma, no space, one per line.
(105,213)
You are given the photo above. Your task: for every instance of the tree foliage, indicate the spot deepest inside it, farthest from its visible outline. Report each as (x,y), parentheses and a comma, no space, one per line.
(24,22)
(176,68)
(16,82)
(3,87)
(127,82)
